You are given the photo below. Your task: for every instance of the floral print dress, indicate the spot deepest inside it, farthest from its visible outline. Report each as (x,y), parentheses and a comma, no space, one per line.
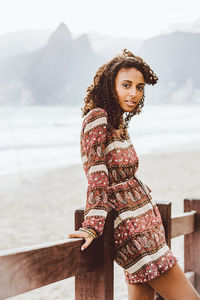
(110,164)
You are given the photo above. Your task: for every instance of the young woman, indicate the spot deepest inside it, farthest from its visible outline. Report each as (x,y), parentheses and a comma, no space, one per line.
(110,163)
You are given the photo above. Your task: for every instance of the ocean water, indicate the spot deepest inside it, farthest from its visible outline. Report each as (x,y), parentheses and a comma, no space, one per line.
(42,136)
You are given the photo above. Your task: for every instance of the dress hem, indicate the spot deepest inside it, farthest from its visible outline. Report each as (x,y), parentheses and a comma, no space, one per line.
(132,279)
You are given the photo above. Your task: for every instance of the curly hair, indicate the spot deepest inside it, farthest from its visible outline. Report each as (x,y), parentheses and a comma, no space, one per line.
(102,92)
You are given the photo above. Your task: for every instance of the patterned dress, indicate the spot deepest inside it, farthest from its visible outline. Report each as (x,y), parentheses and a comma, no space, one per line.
(110,164)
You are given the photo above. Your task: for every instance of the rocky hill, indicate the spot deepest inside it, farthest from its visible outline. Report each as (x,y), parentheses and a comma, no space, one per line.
(58,73)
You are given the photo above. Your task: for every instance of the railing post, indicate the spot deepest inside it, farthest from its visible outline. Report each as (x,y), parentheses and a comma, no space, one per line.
(98,283)
(192,242)
(165,211)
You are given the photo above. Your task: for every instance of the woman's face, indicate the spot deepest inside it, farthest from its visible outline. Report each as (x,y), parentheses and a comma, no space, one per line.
(129,85)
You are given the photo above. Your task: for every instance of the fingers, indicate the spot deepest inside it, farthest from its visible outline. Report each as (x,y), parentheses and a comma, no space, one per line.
(87,243)
(82,234)
(78,234)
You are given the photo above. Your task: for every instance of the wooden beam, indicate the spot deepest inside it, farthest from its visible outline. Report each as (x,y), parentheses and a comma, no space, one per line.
(165,211)
(28,268)
(98,284)
(191,277)
(192,242)
(183,224)
(31,267)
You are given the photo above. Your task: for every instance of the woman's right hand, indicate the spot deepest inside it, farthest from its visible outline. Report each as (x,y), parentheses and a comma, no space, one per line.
(81,234)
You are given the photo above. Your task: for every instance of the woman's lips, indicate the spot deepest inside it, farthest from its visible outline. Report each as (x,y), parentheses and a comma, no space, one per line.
(130,103)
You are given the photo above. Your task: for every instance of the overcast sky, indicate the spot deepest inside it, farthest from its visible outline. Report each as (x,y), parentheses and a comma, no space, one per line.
(139,19)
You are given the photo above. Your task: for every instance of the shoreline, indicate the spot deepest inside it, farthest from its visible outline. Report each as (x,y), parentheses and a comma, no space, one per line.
(180,147)
(178,156)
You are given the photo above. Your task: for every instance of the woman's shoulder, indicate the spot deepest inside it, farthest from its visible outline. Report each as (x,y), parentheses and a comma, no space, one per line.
(96,117)
(96,113)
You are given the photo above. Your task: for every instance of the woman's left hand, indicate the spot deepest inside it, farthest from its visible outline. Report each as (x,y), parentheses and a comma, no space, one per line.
(81,234)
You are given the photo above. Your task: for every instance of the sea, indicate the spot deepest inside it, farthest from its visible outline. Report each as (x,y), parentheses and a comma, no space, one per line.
(49,136)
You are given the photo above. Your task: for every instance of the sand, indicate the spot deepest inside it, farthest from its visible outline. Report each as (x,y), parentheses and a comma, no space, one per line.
(37,206)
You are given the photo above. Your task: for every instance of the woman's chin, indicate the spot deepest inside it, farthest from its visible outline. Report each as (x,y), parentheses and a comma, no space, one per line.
(128,109)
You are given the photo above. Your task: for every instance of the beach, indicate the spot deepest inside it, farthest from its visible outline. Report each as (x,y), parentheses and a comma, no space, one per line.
(38,205)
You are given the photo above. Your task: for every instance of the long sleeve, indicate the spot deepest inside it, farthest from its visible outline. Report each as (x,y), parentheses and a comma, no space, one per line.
(93,144)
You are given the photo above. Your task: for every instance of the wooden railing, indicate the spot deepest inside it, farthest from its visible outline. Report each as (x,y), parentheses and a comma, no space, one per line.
(187,224)
(32,267)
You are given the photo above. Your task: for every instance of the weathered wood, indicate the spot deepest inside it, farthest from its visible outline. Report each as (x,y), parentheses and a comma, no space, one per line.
(191,277)
(158,297)
(182,224)
(97,284)
(31,267)
(192,242)
(165,211)
(28,268)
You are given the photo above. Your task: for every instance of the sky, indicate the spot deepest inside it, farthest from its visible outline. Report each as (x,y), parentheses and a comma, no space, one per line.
(129,18)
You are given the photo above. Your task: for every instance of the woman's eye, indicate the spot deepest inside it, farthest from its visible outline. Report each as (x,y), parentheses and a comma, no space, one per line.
(140,88)
(126,85)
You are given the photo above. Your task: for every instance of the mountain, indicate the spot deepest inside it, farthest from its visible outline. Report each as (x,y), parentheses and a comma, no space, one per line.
(107,46)
(20,42)
(193,27)
(174,57)
(58,73)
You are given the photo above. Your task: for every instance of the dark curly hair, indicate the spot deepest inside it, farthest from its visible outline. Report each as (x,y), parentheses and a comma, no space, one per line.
(102,92)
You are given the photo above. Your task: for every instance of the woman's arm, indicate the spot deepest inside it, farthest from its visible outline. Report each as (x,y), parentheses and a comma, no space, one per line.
(93,145)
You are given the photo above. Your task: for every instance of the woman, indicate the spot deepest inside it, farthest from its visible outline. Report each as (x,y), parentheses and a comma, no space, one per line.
(110,163)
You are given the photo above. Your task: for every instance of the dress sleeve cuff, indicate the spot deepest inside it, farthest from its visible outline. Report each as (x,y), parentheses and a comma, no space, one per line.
(95,223)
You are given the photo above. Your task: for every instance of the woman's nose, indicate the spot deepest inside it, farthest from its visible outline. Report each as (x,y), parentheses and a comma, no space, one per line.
(133,92)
